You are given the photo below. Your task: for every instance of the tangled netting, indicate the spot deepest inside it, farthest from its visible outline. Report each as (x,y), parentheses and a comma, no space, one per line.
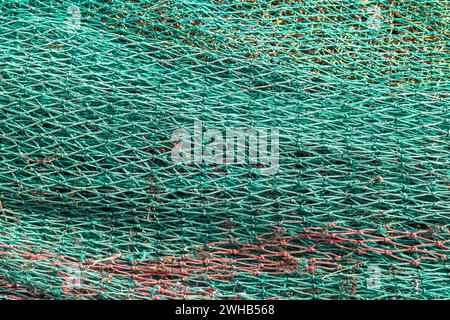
(94,206)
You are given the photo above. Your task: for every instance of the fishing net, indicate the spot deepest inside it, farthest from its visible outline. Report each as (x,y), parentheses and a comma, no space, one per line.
(102,197)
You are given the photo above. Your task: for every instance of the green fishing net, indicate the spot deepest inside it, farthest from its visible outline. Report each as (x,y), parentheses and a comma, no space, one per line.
(352,202)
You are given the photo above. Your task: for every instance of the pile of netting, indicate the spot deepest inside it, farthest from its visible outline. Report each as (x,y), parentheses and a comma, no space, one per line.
(103,196)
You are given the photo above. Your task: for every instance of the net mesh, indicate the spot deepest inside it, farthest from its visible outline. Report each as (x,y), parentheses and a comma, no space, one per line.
(94,206)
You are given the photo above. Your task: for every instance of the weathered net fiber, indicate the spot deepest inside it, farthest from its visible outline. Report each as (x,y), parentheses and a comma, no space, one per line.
(93,205)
